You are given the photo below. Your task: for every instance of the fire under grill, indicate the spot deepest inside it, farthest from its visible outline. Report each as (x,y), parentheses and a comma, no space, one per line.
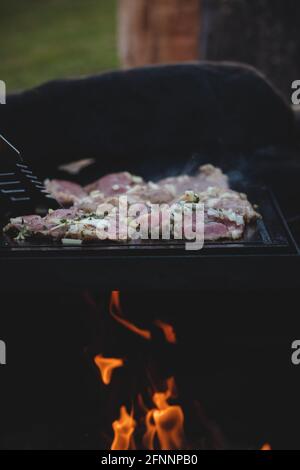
(267,256)
(129,375)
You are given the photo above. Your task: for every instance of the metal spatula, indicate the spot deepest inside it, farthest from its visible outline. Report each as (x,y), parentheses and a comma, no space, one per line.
(21,192)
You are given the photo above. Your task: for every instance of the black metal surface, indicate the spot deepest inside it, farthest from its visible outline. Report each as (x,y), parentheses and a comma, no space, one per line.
(266,257)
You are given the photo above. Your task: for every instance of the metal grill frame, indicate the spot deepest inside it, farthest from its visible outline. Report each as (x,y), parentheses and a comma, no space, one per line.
(267,257)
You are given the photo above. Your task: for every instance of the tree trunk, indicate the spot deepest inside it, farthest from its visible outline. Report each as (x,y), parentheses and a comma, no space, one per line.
(263,33)
(158,31)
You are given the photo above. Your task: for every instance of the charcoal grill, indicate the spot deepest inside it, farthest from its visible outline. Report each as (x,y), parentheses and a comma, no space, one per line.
(267,257)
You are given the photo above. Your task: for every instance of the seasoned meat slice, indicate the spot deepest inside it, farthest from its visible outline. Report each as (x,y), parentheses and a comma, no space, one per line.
(208,176)
(65,192)
(113,184)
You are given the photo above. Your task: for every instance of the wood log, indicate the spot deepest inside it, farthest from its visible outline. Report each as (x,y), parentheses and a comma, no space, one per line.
(158,31)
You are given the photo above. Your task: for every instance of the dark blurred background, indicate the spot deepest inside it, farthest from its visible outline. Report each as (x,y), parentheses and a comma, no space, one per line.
(263,33)
(62,38)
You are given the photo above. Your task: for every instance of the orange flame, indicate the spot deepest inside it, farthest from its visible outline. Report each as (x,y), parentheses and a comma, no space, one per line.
(149,436)
(115,304)
(116,313)
(266,446)
(167,330)
(169,426)
(160,399)
(123,431)
(106,366)
(166,421)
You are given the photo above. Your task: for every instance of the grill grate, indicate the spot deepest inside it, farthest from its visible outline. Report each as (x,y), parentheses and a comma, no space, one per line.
(269,234)
(267,257)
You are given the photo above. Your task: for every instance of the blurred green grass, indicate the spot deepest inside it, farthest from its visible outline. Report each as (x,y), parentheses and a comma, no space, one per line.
(45,39)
